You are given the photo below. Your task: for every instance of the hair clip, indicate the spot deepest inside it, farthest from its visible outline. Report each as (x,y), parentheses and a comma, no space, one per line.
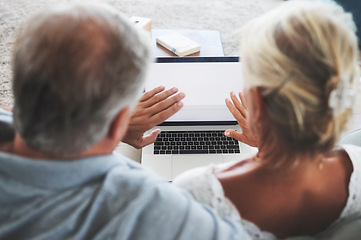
(341,99)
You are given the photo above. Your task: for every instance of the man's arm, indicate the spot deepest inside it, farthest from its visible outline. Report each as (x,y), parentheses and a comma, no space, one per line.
(153,108)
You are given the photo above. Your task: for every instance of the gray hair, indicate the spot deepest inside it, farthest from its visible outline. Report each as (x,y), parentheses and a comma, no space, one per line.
(75,67)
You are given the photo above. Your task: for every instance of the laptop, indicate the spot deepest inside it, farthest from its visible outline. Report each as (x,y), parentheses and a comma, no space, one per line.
(194,136)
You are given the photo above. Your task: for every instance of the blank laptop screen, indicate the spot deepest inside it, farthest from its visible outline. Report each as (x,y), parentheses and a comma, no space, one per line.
(206,85)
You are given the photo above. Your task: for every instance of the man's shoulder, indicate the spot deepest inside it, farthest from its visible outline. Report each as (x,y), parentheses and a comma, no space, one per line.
(131,177)
(141,204)
(112,197)
(132,172)
(130,182)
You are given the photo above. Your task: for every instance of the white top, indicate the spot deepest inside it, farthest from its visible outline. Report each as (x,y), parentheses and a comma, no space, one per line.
(206,188)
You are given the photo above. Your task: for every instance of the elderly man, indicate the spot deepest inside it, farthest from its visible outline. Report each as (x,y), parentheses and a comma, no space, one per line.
(78,71)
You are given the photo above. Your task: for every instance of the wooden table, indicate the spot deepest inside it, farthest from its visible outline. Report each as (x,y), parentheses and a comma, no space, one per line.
(210,41)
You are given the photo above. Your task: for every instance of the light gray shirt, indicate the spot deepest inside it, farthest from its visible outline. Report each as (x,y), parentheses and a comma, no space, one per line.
(102,197)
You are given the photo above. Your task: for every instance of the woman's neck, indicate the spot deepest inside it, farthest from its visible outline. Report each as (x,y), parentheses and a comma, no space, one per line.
(277,160)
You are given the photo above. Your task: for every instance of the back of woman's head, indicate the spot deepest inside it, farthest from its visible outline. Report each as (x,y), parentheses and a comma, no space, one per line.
(302,57)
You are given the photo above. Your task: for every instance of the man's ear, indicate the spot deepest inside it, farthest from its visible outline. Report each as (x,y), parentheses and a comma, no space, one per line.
(119,125)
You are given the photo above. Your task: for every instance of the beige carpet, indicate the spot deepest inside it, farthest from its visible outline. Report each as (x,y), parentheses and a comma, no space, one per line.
(226,16)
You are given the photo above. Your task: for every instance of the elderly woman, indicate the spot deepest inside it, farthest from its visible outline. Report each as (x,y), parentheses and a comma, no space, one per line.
(300,70)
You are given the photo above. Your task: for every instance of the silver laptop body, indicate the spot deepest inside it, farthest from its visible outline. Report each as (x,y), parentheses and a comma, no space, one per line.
(206,83)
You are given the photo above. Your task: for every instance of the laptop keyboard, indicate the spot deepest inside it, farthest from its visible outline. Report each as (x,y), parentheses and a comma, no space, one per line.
(195,142)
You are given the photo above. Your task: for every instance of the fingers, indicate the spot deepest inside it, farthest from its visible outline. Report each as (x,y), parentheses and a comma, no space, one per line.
(249,139)
(240,107)
(166,113)
(242,100)
(235,100)
(150,138)
(159,97)
(151,93)
(236,114)
(165,104)
(234,134)
(161,107)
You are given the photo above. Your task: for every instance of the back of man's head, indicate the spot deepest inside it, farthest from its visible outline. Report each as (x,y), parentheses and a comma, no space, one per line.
(75,67)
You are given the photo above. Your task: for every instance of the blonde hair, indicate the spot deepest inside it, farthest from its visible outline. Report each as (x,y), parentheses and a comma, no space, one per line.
(296,55)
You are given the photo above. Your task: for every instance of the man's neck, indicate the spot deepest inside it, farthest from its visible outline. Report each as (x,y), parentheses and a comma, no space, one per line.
(19,147)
